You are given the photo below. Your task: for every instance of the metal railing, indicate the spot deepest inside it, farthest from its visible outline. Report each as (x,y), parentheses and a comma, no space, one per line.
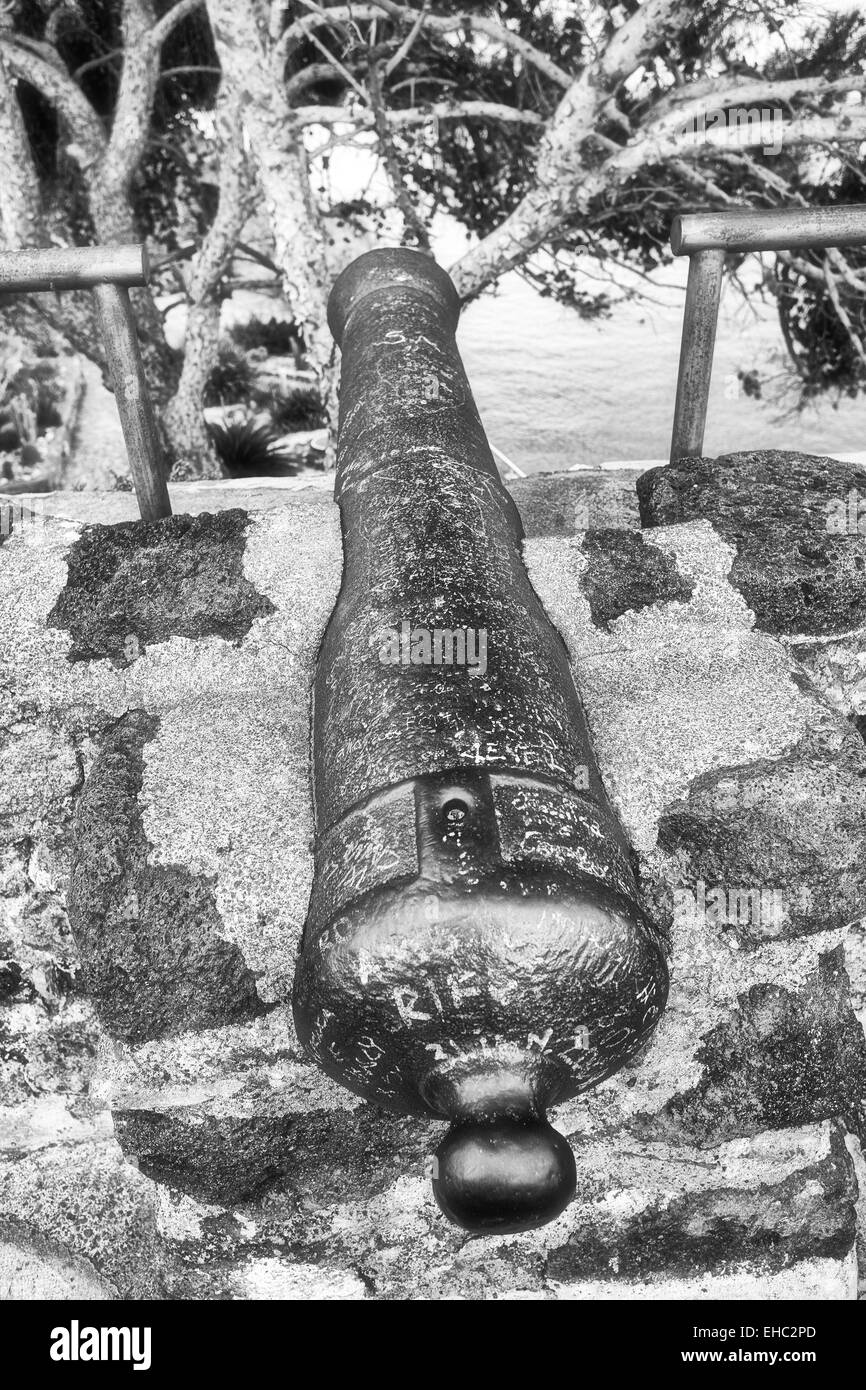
(110,272)
(706,237)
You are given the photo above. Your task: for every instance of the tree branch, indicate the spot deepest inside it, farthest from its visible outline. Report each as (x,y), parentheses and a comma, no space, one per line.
(184,415)
(110,190)
(567,175)
(308,77)
(657,144)
(20,203)
(480,24)
(338,67)
(169,22)
(674,112)
(405,14)
(417,115)
(412,221)
(406,46)
(810,271)
(275,142)
(641,33)
(843,315)
(566,183)
(58,88)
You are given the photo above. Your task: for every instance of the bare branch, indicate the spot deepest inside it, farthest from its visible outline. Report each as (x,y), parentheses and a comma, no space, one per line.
(275,144)
(843,316)
(673,114)
(549,202)
(236,187)
(412,221)
(208,269)
(747,90)
(132,111)
(308,77)
(565,180)
(406,46)
(846,126)
(810,271)
(702,181)
(765,174)
(20,203)
(40,48)
(835,258)
(480,24)
(110,57)
(163,27)
(338,67)
(418,115)
(58,88)
(444,24)
(641,32)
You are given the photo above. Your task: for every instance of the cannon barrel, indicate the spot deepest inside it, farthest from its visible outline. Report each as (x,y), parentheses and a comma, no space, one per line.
(475,946)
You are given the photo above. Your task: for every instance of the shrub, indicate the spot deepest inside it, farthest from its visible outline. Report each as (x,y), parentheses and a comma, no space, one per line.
(246,449)
(278,337)
(232,381)
(302,409)
(37,384)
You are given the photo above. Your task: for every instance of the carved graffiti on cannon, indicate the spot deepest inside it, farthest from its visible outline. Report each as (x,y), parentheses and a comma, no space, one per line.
(475,946)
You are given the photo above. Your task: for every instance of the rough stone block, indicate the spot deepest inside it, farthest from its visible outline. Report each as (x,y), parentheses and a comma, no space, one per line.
(34,1268)
(173,779)
(93,1205)
(800,563)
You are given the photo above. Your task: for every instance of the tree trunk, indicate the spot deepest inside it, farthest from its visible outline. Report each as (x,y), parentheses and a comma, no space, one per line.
(110,191)
(276,142)
(20,204)
(184,417)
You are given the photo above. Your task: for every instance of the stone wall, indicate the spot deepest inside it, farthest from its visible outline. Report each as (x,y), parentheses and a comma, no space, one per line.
(161,1133)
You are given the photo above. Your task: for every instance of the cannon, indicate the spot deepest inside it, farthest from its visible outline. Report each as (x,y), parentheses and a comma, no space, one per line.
(475,946)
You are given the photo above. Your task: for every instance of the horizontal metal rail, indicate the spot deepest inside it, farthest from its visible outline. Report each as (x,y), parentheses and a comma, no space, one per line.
(706,237)
(110,272)
(770,229)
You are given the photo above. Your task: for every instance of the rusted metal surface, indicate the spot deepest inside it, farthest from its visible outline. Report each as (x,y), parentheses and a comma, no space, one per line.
(768,229)
(72,268)
(109,271)
(475,946)
(696,352)
(134,407)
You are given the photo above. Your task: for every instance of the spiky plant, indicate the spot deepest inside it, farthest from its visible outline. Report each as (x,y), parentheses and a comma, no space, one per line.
(248,450)
(301,409)
(278,337)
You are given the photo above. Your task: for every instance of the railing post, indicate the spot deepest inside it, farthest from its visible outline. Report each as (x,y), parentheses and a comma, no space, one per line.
(475,946)
(134,407)
(696,352)
(706,237)
(108,271)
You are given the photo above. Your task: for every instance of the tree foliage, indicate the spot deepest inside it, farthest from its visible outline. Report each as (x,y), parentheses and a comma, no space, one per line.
(561,136)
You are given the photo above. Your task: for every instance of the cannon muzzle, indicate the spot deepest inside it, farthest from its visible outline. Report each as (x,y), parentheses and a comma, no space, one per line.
(475,946)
